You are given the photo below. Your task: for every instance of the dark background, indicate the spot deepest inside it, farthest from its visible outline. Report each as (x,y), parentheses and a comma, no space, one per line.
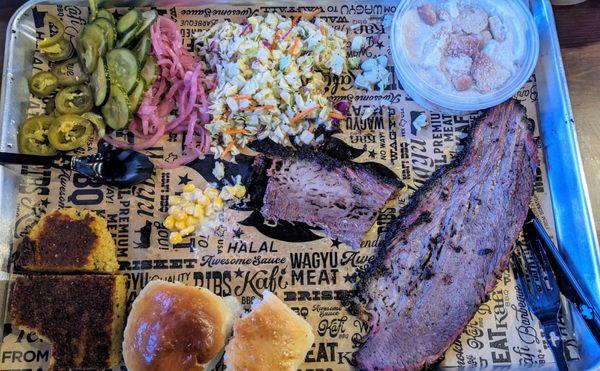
(579,34)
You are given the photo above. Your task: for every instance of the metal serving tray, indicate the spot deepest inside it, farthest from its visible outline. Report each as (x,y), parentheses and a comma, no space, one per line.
(573,217)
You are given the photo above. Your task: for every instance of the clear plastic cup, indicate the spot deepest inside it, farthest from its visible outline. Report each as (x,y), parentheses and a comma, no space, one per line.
(433,97)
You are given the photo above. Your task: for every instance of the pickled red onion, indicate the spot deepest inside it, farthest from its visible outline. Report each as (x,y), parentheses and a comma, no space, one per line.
(181,84)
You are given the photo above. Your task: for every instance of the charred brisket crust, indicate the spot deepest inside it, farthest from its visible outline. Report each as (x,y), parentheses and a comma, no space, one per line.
(375,268)
(257,184)
(272,149)
(330,164)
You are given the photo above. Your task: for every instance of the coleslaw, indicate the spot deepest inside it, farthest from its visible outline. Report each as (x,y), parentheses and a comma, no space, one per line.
(270,80)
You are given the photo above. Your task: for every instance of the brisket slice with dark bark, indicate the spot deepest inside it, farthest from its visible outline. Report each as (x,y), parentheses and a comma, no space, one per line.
(440,259)
(342,198)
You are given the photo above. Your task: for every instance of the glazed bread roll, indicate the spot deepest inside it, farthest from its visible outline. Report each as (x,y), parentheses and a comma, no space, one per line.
(270,337)
(172,326)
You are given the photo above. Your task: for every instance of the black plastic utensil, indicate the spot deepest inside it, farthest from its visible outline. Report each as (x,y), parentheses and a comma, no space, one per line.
(539,288)
(567,283)
(115,167)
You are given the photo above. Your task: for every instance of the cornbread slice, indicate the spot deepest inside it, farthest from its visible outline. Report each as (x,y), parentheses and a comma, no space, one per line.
(82,316)
(271,337)
(69,240)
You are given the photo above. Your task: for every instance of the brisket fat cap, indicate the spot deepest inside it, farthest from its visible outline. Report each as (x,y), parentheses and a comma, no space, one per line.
(442,256)
(342,198)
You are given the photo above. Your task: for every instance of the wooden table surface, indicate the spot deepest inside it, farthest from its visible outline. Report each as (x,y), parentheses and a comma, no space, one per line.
(579,34)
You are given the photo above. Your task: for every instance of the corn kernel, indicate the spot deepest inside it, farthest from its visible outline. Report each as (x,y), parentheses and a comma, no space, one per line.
(238,190)
(180,224)
(197,194)
(187,231)
(169,222)
(179,215)
(198,211)
(189,209)
(211,192)
(175,237)
(191,222)
(225,194)
(209,211)
(204,200)
(189,188)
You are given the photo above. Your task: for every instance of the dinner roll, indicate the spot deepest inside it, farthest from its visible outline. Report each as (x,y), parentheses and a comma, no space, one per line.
(270,337)
(172,326)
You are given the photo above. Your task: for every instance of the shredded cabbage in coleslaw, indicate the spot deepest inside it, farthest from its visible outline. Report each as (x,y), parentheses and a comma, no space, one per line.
(270,80)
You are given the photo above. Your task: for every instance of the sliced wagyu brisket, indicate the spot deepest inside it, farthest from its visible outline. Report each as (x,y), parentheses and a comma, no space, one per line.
(441,257)
(343,198)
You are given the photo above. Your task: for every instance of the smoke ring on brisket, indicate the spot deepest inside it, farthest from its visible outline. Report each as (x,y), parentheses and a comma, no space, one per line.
(342,198)
(442,255)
